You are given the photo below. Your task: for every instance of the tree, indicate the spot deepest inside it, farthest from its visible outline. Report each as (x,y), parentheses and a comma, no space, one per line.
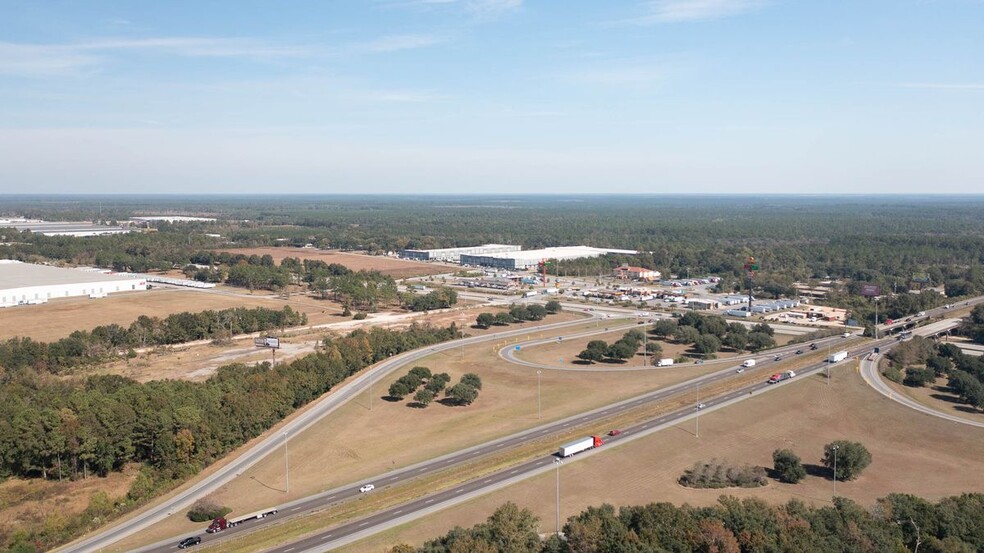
(399,389)
(424,397)
(536,312)
(707,344)
(758,341)
(654,348)
(852,458)
(788,466)
(622,350)
(737,341)
(764,328)
(553,307)
(686,334)
(595,351)
(423,373)
(664,328)
(437,382)
(917,378)
(462,394)
(503,318)
(472,380)
(485,320)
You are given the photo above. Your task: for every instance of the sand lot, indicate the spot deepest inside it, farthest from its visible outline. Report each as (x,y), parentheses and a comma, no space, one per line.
(396,268)
(912,453)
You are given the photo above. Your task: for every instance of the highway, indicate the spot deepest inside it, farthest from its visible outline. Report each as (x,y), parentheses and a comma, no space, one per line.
(553,429)
(274,440)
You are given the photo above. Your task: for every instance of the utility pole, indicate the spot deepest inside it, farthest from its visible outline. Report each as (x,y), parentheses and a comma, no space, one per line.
(835,470)
(539,413)
(697,433)
(557,463)
(286,466)
(750,266)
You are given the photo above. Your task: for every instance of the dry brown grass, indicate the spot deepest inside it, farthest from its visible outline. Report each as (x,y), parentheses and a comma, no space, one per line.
(938,396)
(912,453)
(396,268)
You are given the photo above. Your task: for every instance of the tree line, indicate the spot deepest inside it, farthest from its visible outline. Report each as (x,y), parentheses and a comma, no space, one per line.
(106,342)
(897,522)
(52,427)
(919,361)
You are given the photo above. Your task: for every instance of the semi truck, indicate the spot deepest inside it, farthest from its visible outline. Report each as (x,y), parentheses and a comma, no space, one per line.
(664,362)
(779,377)
(837,357)
(222,523)
(578,446)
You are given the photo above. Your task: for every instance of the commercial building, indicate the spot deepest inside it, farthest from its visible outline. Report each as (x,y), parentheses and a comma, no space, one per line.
(453,255)
(626,272)
(61,228)
(530,258)
(703,304)
(172,219)
(27,283)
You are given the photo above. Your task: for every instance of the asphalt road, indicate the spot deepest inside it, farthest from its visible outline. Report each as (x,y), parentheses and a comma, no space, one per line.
(359,529)
(311,415)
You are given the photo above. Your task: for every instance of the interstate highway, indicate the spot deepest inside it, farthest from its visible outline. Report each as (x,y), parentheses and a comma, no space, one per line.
(359,527)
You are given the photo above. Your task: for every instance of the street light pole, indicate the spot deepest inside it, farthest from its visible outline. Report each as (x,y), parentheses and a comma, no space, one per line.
(539,413)
(697,433)
(286,466)
(835,470)
(558,462)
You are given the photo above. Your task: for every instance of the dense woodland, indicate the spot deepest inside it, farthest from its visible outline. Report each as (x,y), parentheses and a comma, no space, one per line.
(879,240)
(897,523)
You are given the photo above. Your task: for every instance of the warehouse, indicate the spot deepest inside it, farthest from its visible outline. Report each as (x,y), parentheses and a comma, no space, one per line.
(454,254)
(27,283)
(531,258)
(62,228)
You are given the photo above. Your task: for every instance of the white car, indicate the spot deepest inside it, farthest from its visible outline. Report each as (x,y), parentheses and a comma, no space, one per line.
(700,406)
(367,488)
(740,370)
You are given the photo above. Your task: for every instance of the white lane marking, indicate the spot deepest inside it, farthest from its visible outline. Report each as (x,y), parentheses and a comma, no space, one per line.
(428,501)
(294,509)
(364,524)
(288,549)
(514,472)
(397,512)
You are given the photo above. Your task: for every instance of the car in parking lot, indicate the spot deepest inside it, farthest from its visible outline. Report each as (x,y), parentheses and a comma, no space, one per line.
(367,488)
(188,542)
(614,432)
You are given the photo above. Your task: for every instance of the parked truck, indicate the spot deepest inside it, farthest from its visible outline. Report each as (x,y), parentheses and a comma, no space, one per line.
(779,377)
(583,444)
(222,523)
(837,357)
(664,362)
(529,294)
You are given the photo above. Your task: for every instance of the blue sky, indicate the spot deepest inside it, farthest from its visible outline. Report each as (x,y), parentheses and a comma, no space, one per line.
(488,96)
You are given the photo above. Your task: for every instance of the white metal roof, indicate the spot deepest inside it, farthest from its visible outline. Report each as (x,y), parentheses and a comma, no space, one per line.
(14,274)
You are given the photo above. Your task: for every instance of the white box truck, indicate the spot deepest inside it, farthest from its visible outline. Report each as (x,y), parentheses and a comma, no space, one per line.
(748,363)
(583,444)
(837,357)
(664,362)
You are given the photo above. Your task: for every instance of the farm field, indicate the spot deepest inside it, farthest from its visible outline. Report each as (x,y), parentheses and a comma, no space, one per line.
(396,268)
(365,442)
(59,318)
(906,448)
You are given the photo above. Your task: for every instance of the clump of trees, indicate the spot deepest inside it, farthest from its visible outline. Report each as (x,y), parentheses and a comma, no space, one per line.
(709,334)
(851,458)
(897,522)
(721,474)
(788,466)
(516,313)
(106,342)
(464,392)
(620,350)
(441,298)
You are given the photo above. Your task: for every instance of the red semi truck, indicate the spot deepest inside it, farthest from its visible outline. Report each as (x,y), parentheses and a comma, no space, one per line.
(221,523)
(583,444)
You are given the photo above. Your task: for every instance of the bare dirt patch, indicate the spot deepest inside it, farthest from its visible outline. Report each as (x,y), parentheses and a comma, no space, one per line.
(396,268)
(912,453)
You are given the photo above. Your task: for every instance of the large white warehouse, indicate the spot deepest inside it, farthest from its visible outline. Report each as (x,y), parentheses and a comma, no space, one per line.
(454,254)
(27,283)
(530,258)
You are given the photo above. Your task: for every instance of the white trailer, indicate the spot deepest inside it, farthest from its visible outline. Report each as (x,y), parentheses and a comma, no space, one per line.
(664,362)
(583,444)
(748,363)
(837,357)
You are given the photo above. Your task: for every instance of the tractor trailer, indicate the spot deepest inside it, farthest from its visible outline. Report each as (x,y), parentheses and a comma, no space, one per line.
(665,362)
(779,377)
(837,357)
(221,523)
(583,444)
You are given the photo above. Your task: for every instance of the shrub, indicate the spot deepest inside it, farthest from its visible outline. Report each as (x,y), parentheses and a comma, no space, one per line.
(206,509)
(788,466)
(359,316)
(719,474)
(893,374)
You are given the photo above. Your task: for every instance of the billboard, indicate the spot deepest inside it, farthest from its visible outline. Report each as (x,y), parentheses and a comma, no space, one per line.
(870,290)
(268,342)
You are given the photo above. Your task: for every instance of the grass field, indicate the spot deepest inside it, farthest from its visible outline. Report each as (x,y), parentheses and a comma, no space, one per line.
(912,453)
(939,397)
(396,268)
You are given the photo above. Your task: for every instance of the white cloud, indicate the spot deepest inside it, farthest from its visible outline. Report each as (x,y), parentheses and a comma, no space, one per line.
(943,86)
(76,58)
(670,11)
(398,42)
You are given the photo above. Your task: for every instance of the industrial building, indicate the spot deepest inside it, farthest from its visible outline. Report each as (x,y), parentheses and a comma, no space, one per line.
(172,219)
(61,228)
(27,283)
(530,258)
(453,255)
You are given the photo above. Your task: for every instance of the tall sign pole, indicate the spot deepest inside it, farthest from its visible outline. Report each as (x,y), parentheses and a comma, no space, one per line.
(750,267)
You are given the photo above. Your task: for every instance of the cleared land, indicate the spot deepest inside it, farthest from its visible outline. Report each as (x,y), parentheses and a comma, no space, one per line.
(912,453)
(396,268)
(59,318)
